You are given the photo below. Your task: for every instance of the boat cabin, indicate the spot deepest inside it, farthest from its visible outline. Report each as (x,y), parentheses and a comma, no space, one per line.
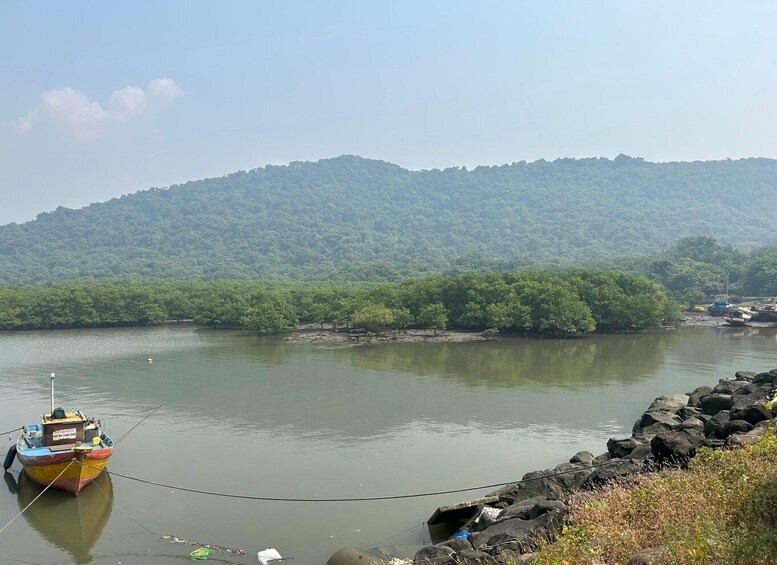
(63,428)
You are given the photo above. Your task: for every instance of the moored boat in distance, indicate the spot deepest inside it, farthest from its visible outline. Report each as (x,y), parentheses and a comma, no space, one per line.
(67,450)
(765,312)
(737,317)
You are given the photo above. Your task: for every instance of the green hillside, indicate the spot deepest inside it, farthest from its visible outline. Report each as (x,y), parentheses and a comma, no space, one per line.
(355,218)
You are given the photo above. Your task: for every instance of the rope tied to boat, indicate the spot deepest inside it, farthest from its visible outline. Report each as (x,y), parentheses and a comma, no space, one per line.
(351,499)
(62,472)
(140,422)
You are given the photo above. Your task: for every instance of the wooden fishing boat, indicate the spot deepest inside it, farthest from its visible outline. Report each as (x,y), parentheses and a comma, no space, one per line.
(67,449)
(737,317)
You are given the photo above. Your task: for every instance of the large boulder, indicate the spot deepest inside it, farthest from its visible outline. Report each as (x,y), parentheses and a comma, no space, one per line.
(676,447)
(431,555)
(745,375)
(457,544)
(474,557)
(733,427)
(652,423)
(714,403)
(692,424)
(356,556)
(769,377)
(621,447)
(521,509)
(612,470)
(516,533)
(671,403)
(584,457)
(752,413)
(717,421)
(726,386)
(695,396)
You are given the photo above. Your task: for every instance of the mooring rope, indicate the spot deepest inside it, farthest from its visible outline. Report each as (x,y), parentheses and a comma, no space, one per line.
(351,499)
(140,422)
(10,431)
(37,497)
(96,483)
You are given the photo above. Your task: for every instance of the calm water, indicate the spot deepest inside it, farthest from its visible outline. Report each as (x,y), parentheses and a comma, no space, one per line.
(260,417)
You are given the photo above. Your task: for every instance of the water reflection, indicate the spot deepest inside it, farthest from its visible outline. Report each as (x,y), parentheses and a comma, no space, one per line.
(72,523)
(528,363)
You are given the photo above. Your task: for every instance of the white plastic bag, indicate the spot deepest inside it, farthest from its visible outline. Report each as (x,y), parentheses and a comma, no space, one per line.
(267,555)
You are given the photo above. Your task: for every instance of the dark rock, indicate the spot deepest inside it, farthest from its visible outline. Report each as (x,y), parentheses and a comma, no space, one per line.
(753,413)
(473,557)
(599,459)
(650,556)
(715,443)
(733,427)
(621,447)
(695,396)
(432,555)
(640,453)
(692,424)
(457,544)
(569,476)
(671,403)
(726,386)
(355,556)
(515,533)
(747,438)
(714,403)
(745,375)
(758,391)
(585,457)
(614,469)
(521,509)
(769,377)
(652,423)
(547,506)
(717,421)
(689,412)
(676,447)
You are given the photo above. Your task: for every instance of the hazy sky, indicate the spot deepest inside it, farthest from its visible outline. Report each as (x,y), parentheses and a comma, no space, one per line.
(99,99)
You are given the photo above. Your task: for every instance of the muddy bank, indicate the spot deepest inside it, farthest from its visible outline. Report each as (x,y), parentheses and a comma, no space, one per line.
(345,339)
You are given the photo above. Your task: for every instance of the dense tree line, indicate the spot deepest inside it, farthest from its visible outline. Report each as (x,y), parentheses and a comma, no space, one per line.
(559,303)
(696,268)
(354,219)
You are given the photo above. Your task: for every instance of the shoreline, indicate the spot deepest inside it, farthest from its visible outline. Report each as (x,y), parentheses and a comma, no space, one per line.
(315,334)
(511,524)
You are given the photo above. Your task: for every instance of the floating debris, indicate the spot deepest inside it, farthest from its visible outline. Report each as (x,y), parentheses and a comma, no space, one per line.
(200,554)
(267,555)
(210,546)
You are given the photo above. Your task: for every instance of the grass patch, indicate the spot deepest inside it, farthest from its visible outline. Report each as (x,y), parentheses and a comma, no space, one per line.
(723,510)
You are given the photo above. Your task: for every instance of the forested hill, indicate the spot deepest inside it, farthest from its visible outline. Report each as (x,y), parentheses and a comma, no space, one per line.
(350,217)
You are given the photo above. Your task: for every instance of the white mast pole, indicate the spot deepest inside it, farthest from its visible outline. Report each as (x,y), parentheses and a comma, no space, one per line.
(51,376)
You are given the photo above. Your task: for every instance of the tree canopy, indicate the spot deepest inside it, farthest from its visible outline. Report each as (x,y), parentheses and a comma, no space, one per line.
(355,219)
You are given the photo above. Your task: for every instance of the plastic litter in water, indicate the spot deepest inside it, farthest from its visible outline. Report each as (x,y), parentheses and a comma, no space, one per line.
(200,554)
(267,555)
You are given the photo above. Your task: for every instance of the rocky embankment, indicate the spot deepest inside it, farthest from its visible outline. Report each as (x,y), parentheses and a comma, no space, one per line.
(668,433)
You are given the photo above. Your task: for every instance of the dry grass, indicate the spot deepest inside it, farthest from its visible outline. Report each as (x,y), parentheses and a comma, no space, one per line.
(723,510)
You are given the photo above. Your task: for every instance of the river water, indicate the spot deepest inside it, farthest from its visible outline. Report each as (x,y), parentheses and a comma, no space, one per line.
(255,416)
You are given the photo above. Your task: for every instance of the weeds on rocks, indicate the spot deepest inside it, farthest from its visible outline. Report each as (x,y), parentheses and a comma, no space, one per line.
(721,511)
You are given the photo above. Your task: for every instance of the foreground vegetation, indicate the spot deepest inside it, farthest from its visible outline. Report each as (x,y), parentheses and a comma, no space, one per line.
(565,303)
(723,510)
(357,219)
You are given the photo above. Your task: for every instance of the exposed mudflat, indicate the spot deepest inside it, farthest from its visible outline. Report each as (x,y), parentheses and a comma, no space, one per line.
(344,339)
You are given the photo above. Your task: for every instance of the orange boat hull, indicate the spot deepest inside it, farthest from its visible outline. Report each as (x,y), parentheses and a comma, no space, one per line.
(69,470)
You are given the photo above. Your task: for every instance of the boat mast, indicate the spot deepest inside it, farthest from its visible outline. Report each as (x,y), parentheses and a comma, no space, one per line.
(51,376)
